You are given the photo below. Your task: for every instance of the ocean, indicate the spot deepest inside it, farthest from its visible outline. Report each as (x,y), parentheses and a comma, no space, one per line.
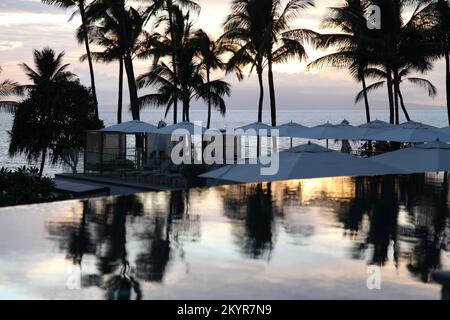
(233,119)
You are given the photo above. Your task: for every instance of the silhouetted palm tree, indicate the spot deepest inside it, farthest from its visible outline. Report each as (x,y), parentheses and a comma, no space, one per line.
(352,45)
(262,30)
(163,10)
(48,70)
(401,77)
(109,36)
(117,18)
(400,44)
(81,9)
(437,17)
(209,53)
(191,74)
(9,88)
(242,37)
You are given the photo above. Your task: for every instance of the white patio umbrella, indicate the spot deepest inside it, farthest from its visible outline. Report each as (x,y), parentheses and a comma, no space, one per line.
(256,129)
(429,157)
(292,130)
(189,127)
(131,127)
(374,127)
(342,131)
(303,162)
(412,132)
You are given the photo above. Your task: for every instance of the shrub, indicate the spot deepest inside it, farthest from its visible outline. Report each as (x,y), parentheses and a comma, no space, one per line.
(24,186)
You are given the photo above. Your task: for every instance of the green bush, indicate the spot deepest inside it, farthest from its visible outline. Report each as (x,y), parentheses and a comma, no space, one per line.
(24,186)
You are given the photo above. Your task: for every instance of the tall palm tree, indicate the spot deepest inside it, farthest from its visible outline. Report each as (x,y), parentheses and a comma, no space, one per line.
(81,7)
(124,22)
(438,14)
(192,83)
(352,44)
(281,42)
(164,11)
(242,38)
(108,36)
(49,69)
(209,53)
(400,43)
(9,88)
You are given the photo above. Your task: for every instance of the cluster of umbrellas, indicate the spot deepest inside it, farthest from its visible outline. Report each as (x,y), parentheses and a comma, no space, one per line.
(313,161)
(409,132)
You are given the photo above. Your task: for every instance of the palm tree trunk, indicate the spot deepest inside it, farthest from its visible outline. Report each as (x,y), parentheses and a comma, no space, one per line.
(391,97)
(44,156)
(396,104)
(261,95)
(402,103)
(273,106)
(366,99)
(447,81)
(174,64)
(119,105)
(128,61)
(208,125)
(89,56)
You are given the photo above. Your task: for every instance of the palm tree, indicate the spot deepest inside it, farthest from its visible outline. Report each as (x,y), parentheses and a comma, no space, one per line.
(192,82)
(119,20)
(9,88)
(401,77)
(209,53)
(438,13)
(266,23)
(48,70)
(81,7)
(242,38)
(281,41)
(352,44)
(167,8)
(400,43)
(108,35)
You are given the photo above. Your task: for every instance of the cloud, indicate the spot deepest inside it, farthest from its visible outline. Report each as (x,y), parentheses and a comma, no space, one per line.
(28,24)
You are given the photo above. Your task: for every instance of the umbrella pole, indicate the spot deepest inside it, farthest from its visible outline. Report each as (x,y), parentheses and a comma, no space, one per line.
(291,142)
(327,144)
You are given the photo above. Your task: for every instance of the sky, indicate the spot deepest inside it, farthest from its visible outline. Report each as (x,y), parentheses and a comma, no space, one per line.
(28,24)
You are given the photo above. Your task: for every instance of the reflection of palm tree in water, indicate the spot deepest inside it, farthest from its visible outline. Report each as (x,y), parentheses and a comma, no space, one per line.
(431,235)
(113,253)
(259,223)
(152,264)
(375,197)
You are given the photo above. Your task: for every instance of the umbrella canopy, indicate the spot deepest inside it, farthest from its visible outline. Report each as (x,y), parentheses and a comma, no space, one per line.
(303,162)
(374,127)
(292,130)
(412,132)
(256,129)
(187,126)
(131,127)
(342,131)
(429,157)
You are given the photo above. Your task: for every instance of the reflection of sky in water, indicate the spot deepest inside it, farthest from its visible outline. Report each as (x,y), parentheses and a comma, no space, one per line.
(298,239)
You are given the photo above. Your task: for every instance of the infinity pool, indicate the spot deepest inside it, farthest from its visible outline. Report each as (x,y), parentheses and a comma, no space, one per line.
(306,239)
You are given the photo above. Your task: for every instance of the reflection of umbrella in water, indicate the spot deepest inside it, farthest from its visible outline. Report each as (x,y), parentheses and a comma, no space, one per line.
(302,162)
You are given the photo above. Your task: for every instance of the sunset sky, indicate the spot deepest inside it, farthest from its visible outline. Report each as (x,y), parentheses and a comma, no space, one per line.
(28,24)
